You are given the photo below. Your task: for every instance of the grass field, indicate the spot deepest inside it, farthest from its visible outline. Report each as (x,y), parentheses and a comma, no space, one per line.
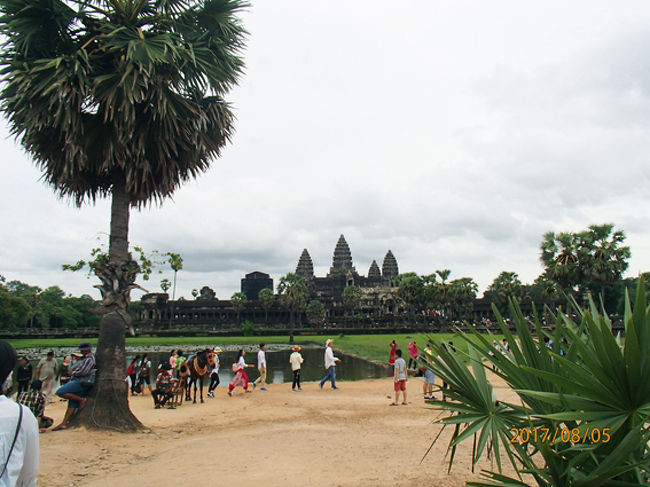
(370,347)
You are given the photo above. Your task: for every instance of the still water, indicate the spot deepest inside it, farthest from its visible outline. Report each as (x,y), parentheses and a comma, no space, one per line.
(277,361)
(279,369)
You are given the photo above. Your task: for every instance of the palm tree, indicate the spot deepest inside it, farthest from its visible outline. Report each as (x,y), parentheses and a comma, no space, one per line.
(266,298)
(122,99)
(293,293)
(238,301)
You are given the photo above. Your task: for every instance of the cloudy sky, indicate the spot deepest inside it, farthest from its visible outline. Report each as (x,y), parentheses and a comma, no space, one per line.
(453,133)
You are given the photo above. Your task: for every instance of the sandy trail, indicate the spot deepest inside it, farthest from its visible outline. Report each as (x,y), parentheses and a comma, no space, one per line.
(349,437)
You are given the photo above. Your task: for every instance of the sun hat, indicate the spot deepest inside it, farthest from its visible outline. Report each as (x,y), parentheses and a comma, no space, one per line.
(217,350)
(85,346)
(296,348)
(329,340)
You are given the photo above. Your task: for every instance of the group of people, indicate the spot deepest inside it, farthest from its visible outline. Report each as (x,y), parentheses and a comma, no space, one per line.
(400,370)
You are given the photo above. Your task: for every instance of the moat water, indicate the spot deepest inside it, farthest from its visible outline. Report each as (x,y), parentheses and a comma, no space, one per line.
(277,358)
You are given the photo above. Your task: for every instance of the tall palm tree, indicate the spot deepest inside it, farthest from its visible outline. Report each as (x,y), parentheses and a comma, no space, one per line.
(119,98)
(293,294)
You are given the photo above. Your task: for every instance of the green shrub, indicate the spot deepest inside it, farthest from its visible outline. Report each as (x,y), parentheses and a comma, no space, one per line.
(589,385)
(248,328)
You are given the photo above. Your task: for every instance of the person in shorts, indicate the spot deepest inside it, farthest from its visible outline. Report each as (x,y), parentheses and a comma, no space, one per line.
(400,376)
(429,381)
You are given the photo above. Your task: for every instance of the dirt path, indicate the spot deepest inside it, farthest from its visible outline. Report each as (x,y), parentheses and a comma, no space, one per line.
(349,437)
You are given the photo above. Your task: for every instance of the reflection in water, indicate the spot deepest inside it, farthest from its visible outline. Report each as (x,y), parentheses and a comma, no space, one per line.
(279,369)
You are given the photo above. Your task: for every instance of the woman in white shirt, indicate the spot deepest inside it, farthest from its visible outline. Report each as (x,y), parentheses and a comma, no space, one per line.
(240,378)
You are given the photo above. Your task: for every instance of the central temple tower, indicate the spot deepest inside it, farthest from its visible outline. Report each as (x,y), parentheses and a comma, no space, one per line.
(342,260)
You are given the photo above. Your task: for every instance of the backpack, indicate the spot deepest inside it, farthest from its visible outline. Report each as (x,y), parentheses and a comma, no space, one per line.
(129,370)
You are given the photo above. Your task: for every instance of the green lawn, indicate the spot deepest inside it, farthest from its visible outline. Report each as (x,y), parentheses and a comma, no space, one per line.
(370,347)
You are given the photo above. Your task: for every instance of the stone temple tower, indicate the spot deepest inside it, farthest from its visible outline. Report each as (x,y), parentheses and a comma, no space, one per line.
(389,269)
(305,268)
(342,260)
(374,272)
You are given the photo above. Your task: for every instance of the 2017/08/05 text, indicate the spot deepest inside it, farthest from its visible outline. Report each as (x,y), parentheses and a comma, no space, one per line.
(565,435)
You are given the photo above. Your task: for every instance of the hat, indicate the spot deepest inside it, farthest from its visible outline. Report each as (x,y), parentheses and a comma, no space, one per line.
(217,350)
(296,348)
(85,346)
(329,340)
(8,358)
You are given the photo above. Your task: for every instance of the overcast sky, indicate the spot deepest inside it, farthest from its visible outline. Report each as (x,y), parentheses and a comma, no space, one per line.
(453,133)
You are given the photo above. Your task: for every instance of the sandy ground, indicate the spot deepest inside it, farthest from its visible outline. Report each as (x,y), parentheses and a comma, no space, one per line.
(349,437)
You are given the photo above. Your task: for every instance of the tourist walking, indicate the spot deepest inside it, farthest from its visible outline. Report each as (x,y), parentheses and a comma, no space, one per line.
(330,364)
(296,360)
(76,390)
(261,367)
(400,376)
(214,375)
(413,355)
(144,373)
(46,371)
(18,430)
(24,375)
(132,373)
(240,378)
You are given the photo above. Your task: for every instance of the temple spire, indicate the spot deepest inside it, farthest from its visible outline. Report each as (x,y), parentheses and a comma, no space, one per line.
(374,272)
(389,268)
(342,259)
(305,268)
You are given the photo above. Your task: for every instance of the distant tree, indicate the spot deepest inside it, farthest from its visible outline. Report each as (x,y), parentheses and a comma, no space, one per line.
(31,294)
(165,284)
(505,286)
(351,298)
(238,301)
(266,298)
(195,293)
(462,294)
(122,100)
(176,263)
(315,311)
(411,291)
(585,261)
(293,293)
(14,310)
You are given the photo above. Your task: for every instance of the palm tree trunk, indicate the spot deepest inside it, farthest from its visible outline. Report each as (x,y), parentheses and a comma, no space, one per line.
(291,320)
(108,406)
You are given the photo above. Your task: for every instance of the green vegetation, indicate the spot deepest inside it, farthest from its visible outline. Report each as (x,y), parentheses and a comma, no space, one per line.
(293,294)
(584,399)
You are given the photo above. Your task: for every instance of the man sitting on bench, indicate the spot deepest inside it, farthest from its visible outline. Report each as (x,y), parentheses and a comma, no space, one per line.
(163,391)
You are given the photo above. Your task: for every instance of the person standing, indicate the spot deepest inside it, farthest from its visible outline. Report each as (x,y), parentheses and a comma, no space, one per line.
(24,375)
(214,375)
(296,360)
(413,354)
(172,361)
(132,373)
(75,391)
(330,364)
(400,376)
(46,371)
(240,378)
(261,367)
(145,373)
(18,430)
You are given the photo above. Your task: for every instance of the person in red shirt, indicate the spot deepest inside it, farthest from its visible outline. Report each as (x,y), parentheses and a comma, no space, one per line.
(413,354)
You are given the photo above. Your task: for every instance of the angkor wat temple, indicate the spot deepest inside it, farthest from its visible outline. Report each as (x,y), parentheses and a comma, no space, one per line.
(379,296)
